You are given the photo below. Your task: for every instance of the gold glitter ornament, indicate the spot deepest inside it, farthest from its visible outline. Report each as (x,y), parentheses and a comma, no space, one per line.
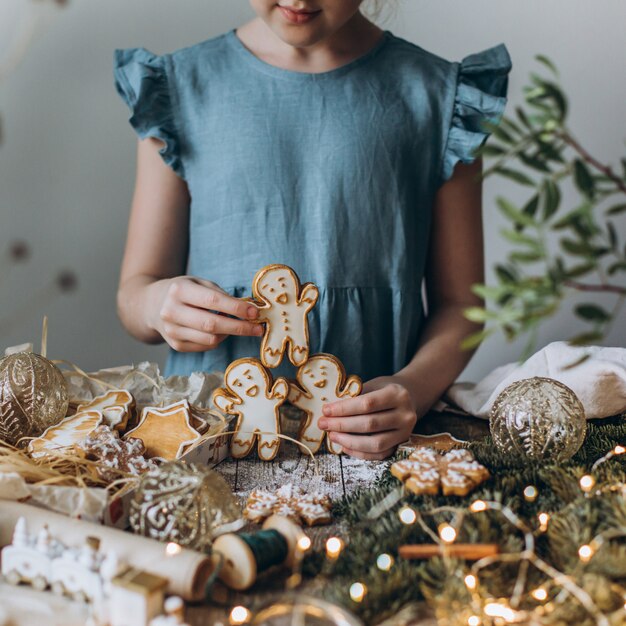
(538,418)
(185,504)
(33,396)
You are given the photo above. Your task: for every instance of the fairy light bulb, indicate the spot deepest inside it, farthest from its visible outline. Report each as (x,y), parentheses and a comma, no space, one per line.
(447,533)
(304,543)
(530,493)
(477,506)
(357,591)
(473,620)
(619,450)
(587,483)
(585,553)
(384,562)
(539,594)
(239,615)
(471,582)
(407,515)
(495,609)
(172,549)
(334,546)
(544,518)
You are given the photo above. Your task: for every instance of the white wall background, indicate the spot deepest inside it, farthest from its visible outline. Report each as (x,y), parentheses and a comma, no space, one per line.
(67,162)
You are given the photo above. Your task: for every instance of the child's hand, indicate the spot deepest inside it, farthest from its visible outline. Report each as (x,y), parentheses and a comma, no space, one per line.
(373,424)
(192,314)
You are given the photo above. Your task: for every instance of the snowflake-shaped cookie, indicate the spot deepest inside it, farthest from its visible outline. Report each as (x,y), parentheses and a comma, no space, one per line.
(289,501)
(425,471)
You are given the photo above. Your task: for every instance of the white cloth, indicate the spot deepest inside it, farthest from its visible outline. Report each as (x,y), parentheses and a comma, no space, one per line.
(599,382)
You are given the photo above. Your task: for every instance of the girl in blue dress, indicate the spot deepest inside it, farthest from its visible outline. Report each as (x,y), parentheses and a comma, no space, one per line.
(312,138)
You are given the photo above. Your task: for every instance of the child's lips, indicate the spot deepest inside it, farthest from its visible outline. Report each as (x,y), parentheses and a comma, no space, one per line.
(298,16)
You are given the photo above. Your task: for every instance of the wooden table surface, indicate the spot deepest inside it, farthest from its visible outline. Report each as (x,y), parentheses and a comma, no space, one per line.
(334,475)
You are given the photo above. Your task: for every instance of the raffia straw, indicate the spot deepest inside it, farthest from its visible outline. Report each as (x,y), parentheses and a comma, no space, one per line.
(58,468)
(44,337)
(84,374)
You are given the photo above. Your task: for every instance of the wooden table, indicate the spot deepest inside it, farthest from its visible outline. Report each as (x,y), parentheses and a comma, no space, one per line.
(334,475)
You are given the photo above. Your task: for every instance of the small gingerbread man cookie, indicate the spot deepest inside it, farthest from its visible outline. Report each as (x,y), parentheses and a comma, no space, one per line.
(283,307)
(320,381)
(251,394)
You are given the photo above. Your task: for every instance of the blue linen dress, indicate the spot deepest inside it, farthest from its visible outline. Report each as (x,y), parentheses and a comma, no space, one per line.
(331,173)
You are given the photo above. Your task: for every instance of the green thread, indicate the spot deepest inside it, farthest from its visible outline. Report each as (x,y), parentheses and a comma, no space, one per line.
(269,548)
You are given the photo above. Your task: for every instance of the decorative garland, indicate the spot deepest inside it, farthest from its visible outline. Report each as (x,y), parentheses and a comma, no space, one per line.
(560,528)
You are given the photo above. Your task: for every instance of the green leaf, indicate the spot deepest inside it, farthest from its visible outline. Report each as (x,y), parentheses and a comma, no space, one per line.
(583,178)
(515,236)
(617,209)
(506,274)
(619,266)
(477,314)
(508,123)
(526,257)
(585,339)
(580,270)
(551,199)
(549,152)
(592,313)
(490,150)
(534,162)
(613,240)
(530,208)
(548,63)
(497,131)
(515,175)
(514,214)
(475,339)
(576,248)
(521,114)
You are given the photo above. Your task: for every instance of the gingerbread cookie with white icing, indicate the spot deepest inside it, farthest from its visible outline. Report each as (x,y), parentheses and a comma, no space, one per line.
(250,393)
(425,472)
(320,381)
(115,456)
(116,406)
(66,434)
(289,501)
(283,307)
(166,432)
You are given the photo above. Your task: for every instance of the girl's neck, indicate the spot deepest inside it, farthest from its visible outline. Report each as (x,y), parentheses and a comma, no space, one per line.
(351,41)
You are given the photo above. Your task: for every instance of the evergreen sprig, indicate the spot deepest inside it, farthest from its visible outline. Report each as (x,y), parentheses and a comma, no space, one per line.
(576,519)
(537,150)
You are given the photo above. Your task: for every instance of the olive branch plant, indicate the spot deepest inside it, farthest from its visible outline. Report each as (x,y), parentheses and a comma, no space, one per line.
(537,150)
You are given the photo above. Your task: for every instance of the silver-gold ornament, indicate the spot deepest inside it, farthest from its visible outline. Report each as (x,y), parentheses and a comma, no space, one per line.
(183,503)
(33,396)
(538,418)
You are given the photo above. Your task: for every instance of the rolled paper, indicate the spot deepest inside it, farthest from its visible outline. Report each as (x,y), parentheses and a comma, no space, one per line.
(187,571)
(469,551)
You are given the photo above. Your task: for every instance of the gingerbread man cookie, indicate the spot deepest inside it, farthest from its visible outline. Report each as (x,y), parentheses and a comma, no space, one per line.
(283,307)
(251,394)
(320,381)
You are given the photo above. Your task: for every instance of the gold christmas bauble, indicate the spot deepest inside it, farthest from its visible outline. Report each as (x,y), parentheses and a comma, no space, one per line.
(536,419)
(33,396)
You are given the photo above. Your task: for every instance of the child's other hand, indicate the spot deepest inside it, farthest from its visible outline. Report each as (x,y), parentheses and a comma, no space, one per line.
(373,424)
(191,314)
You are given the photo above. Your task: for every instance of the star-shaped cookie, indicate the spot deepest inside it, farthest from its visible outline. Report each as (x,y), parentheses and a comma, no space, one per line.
(165,431)
(289,501)
(425,471)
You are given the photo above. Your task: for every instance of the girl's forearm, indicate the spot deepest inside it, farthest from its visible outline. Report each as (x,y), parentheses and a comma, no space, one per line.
(439,358)
(138,303)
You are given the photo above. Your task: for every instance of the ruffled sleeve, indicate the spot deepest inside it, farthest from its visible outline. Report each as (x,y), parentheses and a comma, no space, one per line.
(141,78)
(481,89)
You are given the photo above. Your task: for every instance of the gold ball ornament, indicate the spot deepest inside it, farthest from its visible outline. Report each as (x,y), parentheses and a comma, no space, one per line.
(538,418)
(33,396)
(183,503)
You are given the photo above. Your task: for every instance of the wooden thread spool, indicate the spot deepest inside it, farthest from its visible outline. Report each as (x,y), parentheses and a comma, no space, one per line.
(245,556)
